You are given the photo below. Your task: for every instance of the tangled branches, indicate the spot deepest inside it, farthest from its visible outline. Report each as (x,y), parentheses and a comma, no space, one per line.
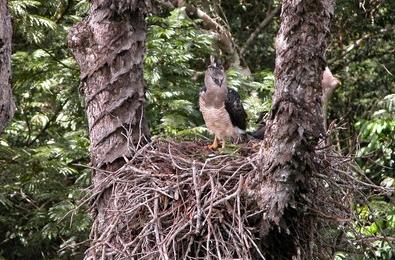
(170,202)
(181,201)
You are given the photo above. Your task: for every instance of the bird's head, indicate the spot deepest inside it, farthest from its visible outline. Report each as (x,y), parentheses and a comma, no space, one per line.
(328,83)
(215,63)
(215,74)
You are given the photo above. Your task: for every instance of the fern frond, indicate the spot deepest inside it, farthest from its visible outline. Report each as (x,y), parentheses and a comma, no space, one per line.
(20,7)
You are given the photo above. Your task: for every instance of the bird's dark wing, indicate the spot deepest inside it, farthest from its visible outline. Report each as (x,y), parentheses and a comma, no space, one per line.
(235,109)
(259,133)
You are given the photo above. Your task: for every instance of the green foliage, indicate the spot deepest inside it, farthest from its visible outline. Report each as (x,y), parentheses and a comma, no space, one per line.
(362,54)
(376,157)
(377,152)
(176,50)
(31,26)
(42,147)
(377,220)
(39,186)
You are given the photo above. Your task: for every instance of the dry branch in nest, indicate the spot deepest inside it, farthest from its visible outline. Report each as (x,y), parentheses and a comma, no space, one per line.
(181,201)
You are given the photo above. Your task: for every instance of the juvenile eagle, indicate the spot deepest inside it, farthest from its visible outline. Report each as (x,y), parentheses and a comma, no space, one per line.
(221,107)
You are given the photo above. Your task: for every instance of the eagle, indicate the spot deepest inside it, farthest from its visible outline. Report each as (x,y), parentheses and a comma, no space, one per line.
(221,107)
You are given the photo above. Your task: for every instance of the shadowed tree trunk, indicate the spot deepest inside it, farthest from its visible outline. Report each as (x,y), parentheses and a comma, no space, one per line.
(295,124)
(7,106)
(109,46)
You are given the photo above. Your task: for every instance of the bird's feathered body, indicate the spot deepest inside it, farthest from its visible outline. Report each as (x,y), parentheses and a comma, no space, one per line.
(217,120)
(221,107)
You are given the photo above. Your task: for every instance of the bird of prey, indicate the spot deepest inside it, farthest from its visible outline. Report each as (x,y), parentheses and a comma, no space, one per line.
(221,106)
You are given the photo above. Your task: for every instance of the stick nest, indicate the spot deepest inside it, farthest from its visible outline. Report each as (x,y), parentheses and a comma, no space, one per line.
(184,201)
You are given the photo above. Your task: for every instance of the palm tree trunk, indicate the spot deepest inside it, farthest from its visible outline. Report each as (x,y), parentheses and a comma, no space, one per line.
(109,46)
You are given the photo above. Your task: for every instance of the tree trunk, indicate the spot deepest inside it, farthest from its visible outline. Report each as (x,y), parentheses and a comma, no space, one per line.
(7,106)
(109,46)
(295,124)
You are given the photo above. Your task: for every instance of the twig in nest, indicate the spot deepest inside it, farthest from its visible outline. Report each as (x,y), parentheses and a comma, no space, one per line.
(170,202)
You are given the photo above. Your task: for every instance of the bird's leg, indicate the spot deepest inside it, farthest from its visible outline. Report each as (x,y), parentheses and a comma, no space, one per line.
(215,143)
(223,143)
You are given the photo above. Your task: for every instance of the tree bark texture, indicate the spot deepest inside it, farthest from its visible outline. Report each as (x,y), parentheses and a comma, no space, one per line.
(109,47)
(7,105)
(295,124)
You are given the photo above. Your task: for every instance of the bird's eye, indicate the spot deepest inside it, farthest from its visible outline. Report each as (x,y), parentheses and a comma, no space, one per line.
(218,82)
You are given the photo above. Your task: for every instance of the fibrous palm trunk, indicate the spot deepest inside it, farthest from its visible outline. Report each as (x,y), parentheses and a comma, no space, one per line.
(109,46)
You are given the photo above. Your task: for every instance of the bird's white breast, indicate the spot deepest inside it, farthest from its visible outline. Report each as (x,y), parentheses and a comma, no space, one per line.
(217,120)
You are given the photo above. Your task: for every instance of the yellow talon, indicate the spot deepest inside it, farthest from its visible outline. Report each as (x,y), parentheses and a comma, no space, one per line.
(214,145)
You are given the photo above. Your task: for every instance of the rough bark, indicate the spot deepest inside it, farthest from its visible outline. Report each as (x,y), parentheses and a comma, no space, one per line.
(7,106)
(295,124)
(109,46)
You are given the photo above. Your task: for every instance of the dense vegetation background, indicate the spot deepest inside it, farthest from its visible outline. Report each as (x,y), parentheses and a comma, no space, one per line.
(44,151)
